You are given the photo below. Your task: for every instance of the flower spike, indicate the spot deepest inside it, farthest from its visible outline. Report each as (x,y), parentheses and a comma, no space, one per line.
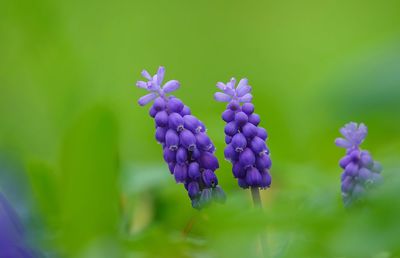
(187,149)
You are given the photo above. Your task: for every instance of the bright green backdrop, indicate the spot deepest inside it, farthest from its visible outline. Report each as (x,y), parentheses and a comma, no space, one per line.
(98,187)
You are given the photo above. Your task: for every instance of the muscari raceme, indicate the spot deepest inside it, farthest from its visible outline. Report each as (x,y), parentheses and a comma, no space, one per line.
(187,149)
(361,172)
(246,148)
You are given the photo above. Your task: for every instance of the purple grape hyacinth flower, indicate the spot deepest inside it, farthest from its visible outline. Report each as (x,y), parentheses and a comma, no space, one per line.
(361,172)
(187,149)
(246,148)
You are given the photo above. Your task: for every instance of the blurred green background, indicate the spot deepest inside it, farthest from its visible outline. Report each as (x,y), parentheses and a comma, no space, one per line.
(77,156)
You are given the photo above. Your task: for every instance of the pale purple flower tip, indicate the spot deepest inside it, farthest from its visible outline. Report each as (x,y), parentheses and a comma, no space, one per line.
(354,135)
(154,85)
(359,174)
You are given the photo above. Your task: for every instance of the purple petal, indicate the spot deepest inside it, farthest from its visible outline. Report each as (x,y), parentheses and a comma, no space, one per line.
(208,161)
(171,86)
(147,98)
(160,74)
(229,91)
(243,88)
(141,84)
(340,142)
(193,189)
(221,86)
(222,97)
(231,83)
(242,83)
(209,178)
(248,108)
(175,105)
(146,75)
(246,98)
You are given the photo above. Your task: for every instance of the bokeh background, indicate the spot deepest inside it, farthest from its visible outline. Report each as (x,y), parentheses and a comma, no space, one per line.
(79,164)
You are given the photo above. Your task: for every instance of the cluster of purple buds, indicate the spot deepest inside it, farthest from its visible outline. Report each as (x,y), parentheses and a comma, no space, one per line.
(246,148)
(360,170)
(187,149)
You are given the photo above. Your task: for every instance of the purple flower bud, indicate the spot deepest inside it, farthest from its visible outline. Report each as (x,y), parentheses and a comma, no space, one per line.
(201,128)
(241,118)
(218,194)
(358,191)
(258,145)
(191,123)
(160,134)
(263,162)
(176,122)
(249,130)
(228,115)
(243,183)
(203,142)
(194,170)
(231,128)
(195,154)
(188,140)
(238,170)
(209,178)
(262,133)
(351,169)
(239,142)
(347,184)
(172,139)
(205,197)
(364,174)
(233,105)
(248,108)
(152,112)
(175,105)
(230,153)
(254,119)
(180,173)
(265,179)
(185,111)
(253,177)
(247,158)
(354,155)
(344,161)
(208,161)
(376,167)
(193,189)
(181,155)
(159,104)
(366,160)
(171,167)
(169,155)
(161,118)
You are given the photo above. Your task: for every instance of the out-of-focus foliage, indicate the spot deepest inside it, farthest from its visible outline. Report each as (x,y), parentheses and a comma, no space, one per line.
(81,168)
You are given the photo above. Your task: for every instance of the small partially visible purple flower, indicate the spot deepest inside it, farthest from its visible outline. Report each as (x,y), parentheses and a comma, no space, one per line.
(187,149)
(246,148)
(361,172)
(13,242)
